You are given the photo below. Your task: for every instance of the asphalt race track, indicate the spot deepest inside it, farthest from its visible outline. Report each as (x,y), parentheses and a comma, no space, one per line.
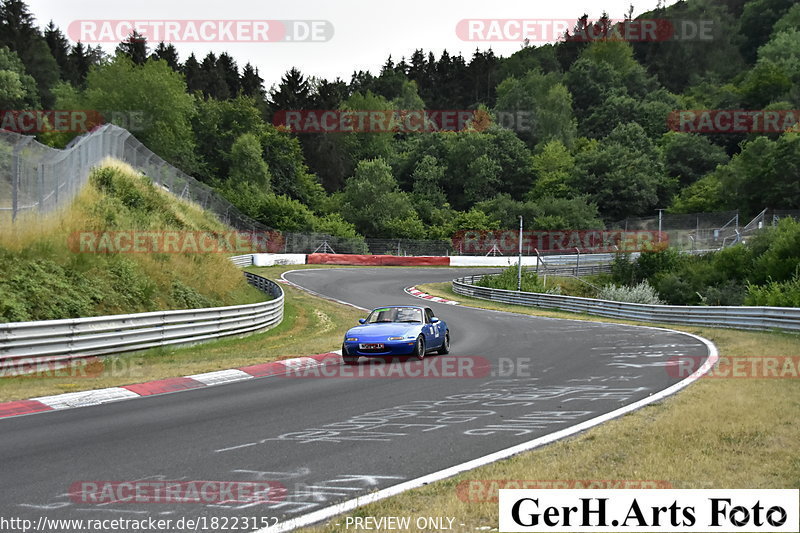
(328,440)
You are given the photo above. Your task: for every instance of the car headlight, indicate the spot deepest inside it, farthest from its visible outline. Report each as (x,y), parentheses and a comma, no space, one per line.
(395,338)
(351,339)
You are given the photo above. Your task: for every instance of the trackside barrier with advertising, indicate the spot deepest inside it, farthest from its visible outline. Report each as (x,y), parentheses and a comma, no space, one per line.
(375,260)
(758,318)
(261,260)
(490,261)
(589,263)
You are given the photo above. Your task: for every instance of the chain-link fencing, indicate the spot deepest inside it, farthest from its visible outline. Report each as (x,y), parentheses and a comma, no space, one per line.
(36,179)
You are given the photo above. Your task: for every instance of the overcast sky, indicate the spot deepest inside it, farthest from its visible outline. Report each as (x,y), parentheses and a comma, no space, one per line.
(365,31)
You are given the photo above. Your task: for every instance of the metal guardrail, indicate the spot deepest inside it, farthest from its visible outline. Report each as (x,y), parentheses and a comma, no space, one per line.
(58,341)
(756,318)
(576,271)
(242,261)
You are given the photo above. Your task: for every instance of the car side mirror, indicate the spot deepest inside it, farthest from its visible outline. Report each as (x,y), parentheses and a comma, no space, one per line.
(362,320)
(434,320)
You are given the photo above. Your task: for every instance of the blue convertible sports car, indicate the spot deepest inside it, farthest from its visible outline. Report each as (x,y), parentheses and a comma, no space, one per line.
(396,330)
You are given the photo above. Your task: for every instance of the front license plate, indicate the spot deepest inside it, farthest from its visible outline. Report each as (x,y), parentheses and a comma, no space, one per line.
(372,346)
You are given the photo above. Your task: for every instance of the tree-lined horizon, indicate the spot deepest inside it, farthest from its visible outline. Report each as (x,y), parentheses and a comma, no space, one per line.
(600,149)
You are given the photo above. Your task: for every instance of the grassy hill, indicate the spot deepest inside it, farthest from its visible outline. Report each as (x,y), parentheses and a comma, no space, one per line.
(43,274)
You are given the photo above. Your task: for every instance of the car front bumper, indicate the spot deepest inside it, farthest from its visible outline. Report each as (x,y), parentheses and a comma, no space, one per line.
(390,348)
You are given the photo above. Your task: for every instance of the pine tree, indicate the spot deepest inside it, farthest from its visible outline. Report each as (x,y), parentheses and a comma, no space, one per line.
(251,83)
(59,48)
(213,83)
(135,47)
(168,53)
(229,72)
(79,64)
(293,92)
(191,71)
(18,31)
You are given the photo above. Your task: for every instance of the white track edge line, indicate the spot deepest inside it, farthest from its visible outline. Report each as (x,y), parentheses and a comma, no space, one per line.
(334,510)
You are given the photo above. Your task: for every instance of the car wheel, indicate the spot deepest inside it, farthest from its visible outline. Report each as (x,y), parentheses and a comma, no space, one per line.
(445,349)
(419,348)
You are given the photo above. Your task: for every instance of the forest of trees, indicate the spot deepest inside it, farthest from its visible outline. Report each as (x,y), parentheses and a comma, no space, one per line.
(600,149)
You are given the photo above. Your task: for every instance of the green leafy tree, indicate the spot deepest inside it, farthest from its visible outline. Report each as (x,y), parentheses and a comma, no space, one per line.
(765,174)
(704,195)
(217,124)
(372,201)
(689,157)
(788,22)
(682,63)
(247,163)
(757,22)
(553,167)
(623,174)
(767,82)
(565,213)
(546,104)
(17,89)
(157,92)
(474,219)
(19,33)
(483,177)
(374,142)
(428,177)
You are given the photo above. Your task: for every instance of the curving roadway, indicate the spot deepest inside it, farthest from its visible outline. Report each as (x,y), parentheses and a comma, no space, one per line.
(330,439)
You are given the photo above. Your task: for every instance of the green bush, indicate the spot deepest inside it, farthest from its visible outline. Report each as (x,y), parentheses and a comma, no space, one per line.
(507,280)
(730,292)
(777,252)
(132,288)
(622,268)
(41,289)
(642,293)
(775,293)
(188,298)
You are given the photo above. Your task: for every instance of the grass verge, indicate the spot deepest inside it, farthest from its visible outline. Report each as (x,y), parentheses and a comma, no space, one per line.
(718,433)
(311,325)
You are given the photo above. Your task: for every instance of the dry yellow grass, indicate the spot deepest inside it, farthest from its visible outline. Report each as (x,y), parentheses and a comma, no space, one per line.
(47,237)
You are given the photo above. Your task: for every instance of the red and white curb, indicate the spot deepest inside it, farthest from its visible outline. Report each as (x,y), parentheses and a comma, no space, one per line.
(72,400)
(415,292)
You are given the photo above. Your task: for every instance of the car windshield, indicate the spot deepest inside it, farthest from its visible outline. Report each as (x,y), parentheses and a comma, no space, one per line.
(395,314)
